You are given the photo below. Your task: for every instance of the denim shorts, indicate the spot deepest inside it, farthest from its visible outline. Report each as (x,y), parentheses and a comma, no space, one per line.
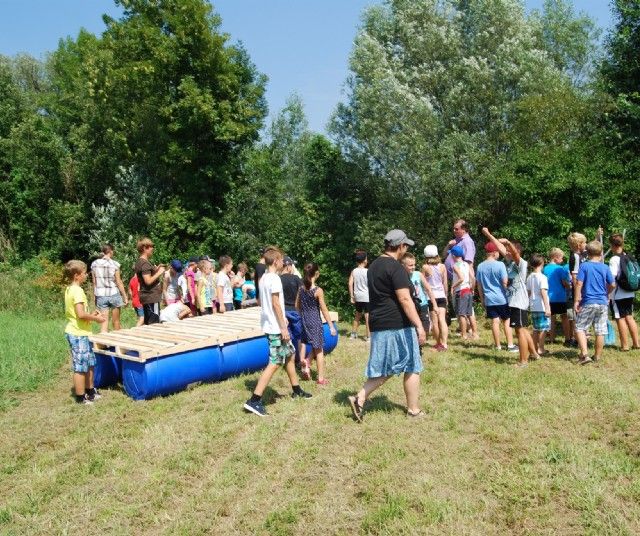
(139,311)
(82,356)
(109,302)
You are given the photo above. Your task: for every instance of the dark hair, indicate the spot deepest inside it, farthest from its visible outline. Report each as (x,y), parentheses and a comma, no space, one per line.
(536,260)
(361,255)
(310,269)
(106,249)
(224,260)
(518,245)
(463,224)
(616,240)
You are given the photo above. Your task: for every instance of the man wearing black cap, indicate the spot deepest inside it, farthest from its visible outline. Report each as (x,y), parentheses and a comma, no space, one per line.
(396,328)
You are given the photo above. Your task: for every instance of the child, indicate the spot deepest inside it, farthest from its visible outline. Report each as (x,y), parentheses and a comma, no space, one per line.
(538,289)
(310,302)
(436,274)
(174,312)
(78,330)
(205,288)
(274,324)
(170,285)
(291,284)
(134,294)
(237,284)
(577,243)
(108,288)
(622,299)
(149,278)
(187,284)
(223,285)
(461,292)
(559,282)
(594,282)
(359,292)
(249,292)
(421,290)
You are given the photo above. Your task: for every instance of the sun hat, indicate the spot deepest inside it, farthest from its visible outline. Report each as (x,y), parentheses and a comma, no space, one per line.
(431,251)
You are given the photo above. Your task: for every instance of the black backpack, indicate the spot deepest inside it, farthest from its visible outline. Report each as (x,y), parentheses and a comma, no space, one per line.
(629,275)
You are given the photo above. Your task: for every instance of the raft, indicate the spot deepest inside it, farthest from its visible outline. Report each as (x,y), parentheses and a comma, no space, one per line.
(162,359)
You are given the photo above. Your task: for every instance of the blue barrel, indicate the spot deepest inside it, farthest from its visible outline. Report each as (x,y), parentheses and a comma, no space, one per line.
(108,370)
(241,357)
(330,341)
(169,374)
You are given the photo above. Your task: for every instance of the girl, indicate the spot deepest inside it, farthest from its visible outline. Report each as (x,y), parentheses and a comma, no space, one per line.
(170,286)
(436,275)
(205,288)
(310,302)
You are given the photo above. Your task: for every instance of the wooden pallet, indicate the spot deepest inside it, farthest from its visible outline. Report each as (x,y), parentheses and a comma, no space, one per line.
(156,340)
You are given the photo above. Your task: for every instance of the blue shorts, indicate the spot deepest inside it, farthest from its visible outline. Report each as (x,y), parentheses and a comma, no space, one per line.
(139,311)
(109,302)
(394,351)
(540,321)
(498,311)
(82,356)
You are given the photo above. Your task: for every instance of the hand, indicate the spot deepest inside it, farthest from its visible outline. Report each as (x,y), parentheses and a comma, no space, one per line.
(451,243)
(161,269)
(285,334)
(485,231)
(576,307)
(125,302)
(503,241)
(422,336)
(332,330)
(353,300)
(547,312)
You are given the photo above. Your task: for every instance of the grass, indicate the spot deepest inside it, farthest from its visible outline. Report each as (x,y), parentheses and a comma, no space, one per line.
(551,449)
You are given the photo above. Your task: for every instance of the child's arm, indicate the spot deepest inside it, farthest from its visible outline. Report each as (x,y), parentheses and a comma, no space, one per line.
(120,286)
(282,321)
(353,300)
(480,292)
(459,281)
(427,288)
(472,276)
(200,293)
(577,295)
(82,314)
(324,310)
(545,301)
(165,286)
(297,303)
(151,279)
(220,298)
(501,249)
(512,250)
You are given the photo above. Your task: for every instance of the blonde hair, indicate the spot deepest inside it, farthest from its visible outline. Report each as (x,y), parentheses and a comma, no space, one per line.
(555,252)
(594,248)
(271,255)
(72,268)
(433,261)
(143,244)
(204,264)
(575,239)
(407,257)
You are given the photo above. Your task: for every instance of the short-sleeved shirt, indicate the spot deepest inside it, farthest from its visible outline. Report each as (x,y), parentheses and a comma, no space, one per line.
(384,277)
(360,285)
(536,282)
(104,276)
(73,295)
(134,287)
(270,284)
(225,283)
(291,283)
(468,246)
(416,281)
(171,313)
(556,274)
(148,293)
(614,268)
(517,290)
(490,276)
(575,260)
(595,277)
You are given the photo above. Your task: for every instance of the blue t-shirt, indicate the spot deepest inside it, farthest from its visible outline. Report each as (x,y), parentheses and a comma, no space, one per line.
(416,281)
(594,276)
(556,274)
(490,275)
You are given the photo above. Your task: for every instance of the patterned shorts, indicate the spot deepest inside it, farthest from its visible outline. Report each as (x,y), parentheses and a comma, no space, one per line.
(592,314)
(82,356)
(279,351)
(540,321)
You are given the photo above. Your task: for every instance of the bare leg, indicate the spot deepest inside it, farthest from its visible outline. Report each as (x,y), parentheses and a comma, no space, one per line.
(88,382)
(140,321)
(566,327)
(115,318)
(79,383)
(444,329)
(290,367)
(435,326)
(366,321)
(599,346)
(266,376)
(369,387)
(624,333)
(633,330)
(321,363)
(540,345)
(474,326)
(104,327)
(356,323)
(495,331)
(462,321)
(412,391)
(536,339)
(552,329)
(581,337)
(508,332)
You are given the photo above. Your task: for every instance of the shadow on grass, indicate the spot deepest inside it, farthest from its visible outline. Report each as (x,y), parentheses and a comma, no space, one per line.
(511,358)
(269,396)
(375,403)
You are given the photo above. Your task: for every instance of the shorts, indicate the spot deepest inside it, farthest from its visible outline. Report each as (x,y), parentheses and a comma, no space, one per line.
(441,302)
(464,304)
(206,311)
(109,302)
(540,321)
(151,313)
(394,351)
(570,314)
(279,351)
(558,308)
(423,313)
(237,304)
(621,308)
(82,356)
(295,324)
(362,307)
(519,317)
(139,311)
(593,314)
(228,307)
(498,311)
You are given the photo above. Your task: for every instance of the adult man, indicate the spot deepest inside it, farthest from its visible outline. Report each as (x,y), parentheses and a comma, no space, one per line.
(396,328)
(492,279)
(462,239)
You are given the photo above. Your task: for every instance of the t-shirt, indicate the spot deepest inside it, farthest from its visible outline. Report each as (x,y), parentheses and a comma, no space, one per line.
(618,293)
(225,283)
(171,313)
(172,293)
(384,277)
(420,294)
(575,260)
(291,283)
(491,275)
(594,276)
(517,289)
(134,286)
(556,274)
(535,283)
(104,276)
(148,293)
(183,285)
(463,267)
(259,271)
(270,284)
(237,291)
(74,294)
(250,288)
(360,285)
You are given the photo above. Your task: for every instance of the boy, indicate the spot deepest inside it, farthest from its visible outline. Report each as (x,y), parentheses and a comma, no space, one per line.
(622,299)
(559,283)
(420,290)
(359,292)
(461,293)
(149,279)
(237,283)
(492,284)
(594,282)
(518,296)
(174,312)
(274,325)
(291,284)
(224,290)
(538,289)
(577,243)
(78,330)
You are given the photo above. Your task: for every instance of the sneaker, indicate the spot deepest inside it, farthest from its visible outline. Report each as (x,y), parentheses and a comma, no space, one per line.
(95,396)
(301,394)
(85,400)
(353,335)
(255,407)
(366,339)
(584,360)
(513,349)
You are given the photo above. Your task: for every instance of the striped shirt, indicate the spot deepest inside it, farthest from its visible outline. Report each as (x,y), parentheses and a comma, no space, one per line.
(104,276)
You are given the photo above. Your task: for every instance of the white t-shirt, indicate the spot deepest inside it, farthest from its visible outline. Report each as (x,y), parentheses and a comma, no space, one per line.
(360,285)
(618,293)
(171,312)
(517,289)
(463,266)
(183,284)
(270,283)
(535,283)
(227,291)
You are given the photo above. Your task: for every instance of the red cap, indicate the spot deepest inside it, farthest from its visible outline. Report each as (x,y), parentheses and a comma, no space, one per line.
(490,247)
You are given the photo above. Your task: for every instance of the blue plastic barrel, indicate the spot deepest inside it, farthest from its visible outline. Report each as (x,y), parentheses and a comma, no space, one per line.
(108,370)
(247,355)
(330,341)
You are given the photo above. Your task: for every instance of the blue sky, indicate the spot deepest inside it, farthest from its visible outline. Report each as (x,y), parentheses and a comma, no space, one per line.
(303,46)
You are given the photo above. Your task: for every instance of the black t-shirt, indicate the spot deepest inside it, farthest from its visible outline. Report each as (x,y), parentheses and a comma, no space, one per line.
(260,269)
(290,285)
(384,277)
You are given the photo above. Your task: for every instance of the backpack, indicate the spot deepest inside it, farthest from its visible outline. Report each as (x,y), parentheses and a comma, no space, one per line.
(629,275)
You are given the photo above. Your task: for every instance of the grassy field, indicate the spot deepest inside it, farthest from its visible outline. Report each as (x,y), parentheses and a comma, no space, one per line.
(551,449)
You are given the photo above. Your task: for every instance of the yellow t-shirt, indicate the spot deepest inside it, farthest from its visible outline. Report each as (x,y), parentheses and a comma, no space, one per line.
(74,294)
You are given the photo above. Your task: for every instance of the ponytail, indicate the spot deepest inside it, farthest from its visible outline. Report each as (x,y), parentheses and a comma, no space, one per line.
(310,270)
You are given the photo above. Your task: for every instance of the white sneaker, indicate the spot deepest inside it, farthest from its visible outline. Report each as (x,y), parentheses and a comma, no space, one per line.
(513,349)
(353,335)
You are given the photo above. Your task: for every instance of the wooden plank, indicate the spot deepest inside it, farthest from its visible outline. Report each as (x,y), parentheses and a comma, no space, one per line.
(137,340)
(118,341)
(175,328)
(174,337)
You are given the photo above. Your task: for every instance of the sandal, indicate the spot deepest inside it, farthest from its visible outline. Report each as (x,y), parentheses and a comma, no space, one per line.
(356,408)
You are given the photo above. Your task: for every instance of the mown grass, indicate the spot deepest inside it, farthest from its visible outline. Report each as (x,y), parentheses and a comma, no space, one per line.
(551,449)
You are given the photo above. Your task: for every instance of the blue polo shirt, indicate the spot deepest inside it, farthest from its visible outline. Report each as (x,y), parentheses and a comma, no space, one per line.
(595,277)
